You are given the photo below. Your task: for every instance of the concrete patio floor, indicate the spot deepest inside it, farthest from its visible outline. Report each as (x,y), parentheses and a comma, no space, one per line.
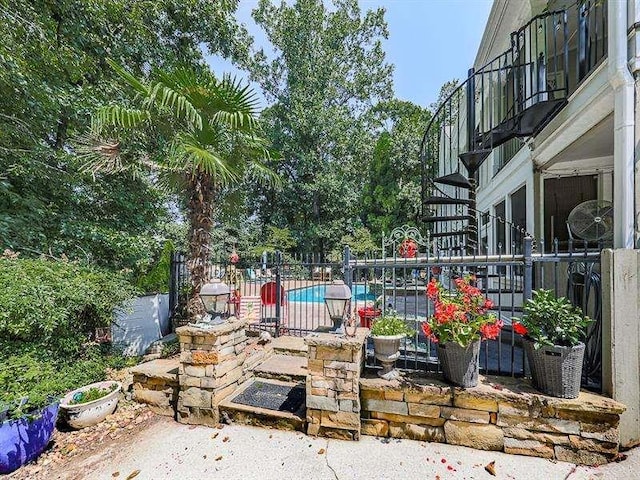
(168,450)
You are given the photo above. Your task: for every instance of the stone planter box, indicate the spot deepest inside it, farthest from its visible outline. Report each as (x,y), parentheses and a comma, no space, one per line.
(501,414)
(87,414)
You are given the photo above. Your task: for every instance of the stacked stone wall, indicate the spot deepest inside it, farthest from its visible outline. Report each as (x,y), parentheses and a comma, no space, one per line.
(500,414)
(332,384)
(211,368)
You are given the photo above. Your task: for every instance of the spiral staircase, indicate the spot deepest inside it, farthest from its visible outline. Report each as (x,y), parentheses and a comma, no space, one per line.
(513,96)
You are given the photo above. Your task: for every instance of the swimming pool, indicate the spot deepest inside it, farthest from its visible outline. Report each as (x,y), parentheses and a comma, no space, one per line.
(315,294)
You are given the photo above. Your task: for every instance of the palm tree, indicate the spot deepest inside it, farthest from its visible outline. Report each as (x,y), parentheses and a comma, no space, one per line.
(197,133)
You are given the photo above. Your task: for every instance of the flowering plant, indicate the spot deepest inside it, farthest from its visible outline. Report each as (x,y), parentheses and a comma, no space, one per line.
(408,248)
(461,316)
(549,320)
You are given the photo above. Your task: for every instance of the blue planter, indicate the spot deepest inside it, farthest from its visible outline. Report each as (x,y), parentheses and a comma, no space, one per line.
(23,440)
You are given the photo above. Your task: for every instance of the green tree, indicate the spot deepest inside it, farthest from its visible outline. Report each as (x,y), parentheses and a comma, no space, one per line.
(327,71)
(53,73)
(391,195)
(278,239)
(200,134)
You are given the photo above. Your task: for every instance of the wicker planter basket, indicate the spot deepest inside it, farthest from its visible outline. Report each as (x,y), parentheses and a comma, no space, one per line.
(459,364)
(556,370)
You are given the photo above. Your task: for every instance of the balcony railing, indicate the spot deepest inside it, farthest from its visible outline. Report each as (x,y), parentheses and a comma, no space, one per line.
(513,96)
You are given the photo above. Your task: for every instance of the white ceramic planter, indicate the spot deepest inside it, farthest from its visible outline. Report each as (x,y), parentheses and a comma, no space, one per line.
(84,415)
(387,350)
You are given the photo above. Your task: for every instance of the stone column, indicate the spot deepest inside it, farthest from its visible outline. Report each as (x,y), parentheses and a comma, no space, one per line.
(211,362)
(621,337)
(333,389)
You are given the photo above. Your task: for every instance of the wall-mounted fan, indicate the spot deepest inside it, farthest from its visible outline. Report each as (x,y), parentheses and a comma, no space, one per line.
(592,221)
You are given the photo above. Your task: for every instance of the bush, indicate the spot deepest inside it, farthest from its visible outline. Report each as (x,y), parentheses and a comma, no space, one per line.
(57,305)
(156,280)
(35,375)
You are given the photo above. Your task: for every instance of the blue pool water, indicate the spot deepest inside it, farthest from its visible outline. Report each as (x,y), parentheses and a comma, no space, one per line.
(316,293)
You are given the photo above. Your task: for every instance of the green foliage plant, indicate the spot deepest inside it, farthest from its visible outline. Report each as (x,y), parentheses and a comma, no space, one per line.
(156,280)
(390,324)
(57,305)
(170,348)
(31,376)
(94,393)
(548,320)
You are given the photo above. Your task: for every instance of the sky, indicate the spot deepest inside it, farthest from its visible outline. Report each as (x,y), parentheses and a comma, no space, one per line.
(430,42)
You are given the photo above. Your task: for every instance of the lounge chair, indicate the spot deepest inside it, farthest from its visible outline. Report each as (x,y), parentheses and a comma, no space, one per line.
(322,274)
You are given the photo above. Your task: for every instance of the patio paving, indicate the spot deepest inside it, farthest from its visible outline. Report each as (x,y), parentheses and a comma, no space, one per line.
(168,450)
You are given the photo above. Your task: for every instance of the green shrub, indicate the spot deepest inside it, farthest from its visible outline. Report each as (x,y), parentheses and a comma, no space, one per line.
(36,374)
(57,305)
(170,348)
(156,280)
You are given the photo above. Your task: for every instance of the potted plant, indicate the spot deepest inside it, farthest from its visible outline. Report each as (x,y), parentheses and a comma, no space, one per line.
(90,404)
(387,332)
(460,321)
(26,427)
(369,313)
(553,330)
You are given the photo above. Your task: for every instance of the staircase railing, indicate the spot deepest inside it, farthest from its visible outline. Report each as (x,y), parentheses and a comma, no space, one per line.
(514,95)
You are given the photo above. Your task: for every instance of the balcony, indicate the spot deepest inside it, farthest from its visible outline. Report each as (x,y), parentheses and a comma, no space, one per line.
(512,97)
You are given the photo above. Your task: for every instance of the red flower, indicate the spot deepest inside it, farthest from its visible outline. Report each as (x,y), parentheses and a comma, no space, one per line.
(426,328)
(408,248)
(487,304)
(490,331)
(446,312)
(519,328)
(432,289)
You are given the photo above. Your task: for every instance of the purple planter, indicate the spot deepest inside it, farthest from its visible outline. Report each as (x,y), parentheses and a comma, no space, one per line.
(23,440)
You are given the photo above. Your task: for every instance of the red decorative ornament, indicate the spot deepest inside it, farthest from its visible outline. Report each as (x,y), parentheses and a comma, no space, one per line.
(408,248)
(234,257)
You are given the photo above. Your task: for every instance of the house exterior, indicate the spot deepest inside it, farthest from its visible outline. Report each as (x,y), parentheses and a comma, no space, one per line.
(546,120)
(550,84)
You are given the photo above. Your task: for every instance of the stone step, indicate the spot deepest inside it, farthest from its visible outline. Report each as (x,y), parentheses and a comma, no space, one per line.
(155,383)
(267,403)
(288,345)
(286,368)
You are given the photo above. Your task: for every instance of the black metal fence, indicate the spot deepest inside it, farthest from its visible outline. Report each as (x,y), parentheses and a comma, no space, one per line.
(399,283)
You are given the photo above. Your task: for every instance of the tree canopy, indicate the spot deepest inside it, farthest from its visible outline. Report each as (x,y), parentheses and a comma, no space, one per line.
(325,74)
(53,74)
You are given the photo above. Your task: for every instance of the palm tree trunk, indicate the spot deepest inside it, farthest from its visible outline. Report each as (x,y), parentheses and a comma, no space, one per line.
(200,215)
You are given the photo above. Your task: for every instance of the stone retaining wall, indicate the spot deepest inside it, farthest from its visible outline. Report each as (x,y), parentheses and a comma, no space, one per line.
(502,414)
(332,385)
(156,384)
(211,368)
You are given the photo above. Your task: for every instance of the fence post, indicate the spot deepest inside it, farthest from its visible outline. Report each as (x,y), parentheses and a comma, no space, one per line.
(528,269)
(346,266)
(175,282)
(278,263)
